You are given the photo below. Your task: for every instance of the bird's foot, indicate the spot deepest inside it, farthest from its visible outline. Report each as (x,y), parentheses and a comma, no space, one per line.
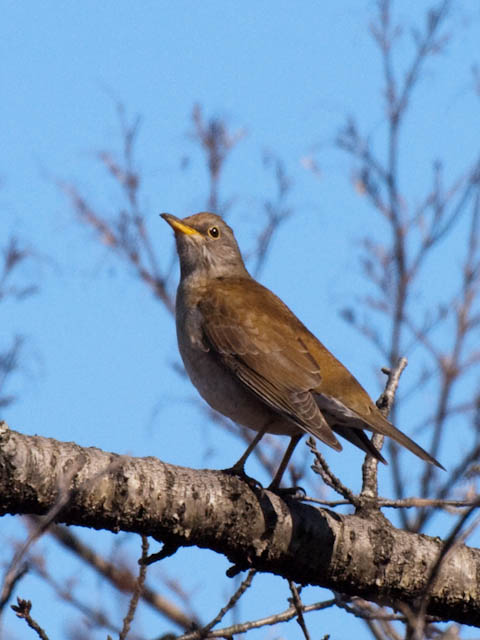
(240,473)
(297,493)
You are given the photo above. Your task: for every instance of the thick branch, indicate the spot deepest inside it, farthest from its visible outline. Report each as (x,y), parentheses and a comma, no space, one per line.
(354,555)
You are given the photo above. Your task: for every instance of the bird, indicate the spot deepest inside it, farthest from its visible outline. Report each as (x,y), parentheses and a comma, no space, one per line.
(254,361)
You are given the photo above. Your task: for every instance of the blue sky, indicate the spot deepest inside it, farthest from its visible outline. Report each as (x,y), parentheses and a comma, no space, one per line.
(98,352)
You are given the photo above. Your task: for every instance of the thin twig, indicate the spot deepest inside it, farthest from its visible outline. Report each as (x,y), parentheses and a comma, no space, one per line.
(42,525)
(277,212)
(321,467)
(96,616)
(404,503)
(364,610)
(448,545)
(121,577)
(217,142)
(284,616)
(22,610)
(384,403)
(297,603)
(204,632)
(142,574)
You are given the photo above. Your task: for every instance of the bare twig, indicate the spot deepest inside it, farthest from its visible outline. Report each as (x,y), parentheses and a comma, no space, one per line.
(417,620)
(63,590)
(365,610)
(136,592)
(404,503)
(216,142)
(204,632)
(455,476)
(297,603)
(277,212)
(13,257)
(384,403)
(9,363)
(121,577)
(22,610)
(42,525)
(122,235)
(284,616)
(321,467)
(395,266)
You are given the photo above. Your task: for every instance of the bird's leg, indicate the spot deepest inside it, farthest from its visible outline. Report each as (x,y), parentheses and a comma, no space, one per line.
(275,484)
(238,467)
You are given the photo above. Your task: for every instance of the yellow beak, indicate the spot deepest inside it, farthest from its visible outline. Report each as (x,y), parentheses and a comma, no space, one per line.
(178,225)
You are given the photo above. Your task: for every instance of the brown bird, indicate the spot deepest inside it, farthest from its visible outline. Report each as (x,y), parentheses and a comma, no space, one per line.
(253,360)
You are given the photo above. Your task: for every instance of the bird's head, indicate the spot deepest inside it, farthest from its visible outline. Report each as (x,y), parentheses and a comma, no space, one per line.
(206,246)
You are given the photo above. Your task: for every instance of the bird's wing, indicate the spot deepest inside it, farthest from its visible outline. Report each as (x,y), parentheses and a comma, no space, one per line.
(275,356)
(256,337)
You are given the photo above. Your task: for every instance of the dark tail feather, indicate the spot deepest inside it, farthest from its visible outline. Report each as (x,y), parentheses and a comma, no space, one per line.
(382,425)
(415,448)
(359,439)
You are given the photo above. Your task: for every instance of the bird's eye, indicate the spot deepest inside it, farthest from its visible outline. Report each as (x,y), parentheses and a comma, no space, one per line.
(213,232)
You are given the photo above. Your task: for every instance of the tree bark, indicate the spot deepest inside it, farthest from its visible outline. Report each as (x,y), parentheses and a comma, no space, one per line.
(362,555)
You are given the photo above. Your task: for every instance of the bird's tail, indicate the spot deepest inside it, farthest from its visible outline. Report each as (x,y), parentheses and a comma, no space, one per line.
(379,424)
(359,438)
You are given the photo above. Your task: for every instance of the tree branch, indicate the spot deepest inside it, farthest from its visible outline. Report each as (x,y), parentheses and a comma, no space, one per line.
(253,528)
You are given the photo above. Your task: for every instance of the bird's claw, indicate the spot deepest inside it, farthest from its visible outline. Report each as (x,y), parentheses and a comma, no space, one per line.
(239,472)
(297,493)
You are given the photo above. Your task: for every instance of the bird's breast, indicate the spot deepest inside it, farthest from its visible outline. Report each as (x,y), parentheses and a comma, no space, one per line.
(215,383)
